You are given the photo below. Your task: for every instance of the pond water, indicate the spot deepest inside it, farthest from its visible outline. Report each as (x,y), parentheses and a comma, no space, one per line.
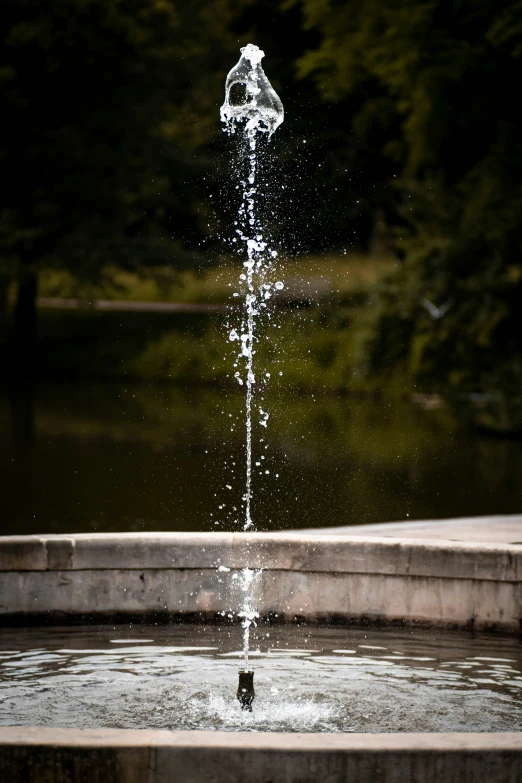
(80,458)
(320,679)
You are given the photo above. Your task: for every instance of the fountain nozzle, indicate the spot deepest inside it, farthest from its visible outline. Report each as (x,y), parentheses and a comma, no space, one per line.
(245,690)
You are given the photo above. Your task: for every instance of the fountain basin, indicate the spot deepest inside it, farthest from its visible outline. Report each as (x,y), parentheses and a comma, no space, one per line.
(309,579)
(315,678)
(108,577)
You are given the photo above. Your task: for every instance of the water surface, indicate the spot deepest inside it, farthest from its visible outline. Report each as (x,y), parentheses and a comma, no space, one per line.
(80,458)
(315,679)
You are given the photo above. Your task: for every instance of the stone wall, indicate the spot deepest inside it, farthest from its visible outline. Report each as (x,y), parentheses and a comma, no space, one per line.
(39,755)
(321,577)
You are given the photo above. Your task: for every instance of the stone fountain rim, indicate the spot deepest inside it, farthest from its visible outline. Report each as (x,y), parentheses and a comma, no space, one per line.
(483,577)
(119,577)
(128,756)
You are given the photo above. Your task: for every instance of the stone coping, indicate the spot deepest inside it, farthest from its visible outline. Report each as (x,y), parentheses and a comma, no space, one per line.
(31,754)
(271,551)
(259,740)
(498,529)
(110,577)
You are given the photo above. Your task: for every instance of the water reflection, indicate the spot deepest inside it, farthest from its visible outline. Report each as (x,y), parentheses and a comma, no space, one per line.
(110,458)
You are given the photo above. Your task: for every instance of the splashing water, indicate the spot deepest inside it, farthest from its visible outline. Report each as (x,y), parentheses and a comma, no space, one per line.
(248,613)
(250,97)
(251,107)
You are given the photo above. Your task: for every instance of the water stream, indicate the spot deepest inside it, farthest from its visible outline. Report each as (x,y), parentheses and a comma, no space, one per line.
(251,111)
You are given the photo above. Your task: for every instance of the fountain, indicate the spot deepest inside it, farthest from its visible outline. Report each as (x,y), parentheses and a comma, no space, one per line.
(353,614)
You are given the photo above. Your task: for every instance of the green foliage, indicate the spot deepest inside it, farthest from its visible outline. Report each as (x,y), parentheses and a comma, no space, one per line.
(110,148)
(100,135)
(348,278)
(445,71)
(310,350)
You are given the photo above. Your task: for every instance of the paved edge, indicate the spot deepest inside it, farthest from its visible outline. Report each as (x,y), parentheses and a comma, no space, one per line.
(270,551)
(493,529)
(304,742)
(32,755)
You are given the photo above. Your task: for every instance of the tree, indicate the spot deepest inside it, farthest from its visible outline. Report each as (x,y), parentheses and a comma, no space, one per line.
(101,147)
(444,73)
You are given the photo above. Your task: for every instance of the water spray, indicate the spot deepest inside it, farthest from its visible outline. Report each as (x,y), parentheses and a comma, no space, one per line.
(251,107)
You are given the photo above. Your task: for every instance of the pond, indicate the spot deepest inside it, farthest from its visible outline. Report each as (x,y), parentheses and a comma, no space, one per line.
(320,679)
(84,457)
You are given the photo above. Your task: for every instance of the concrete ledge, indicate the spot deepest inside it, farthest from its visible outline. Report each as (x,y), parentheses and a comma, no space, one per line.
(274,551)
(499,529)
(303,576)
(35,755)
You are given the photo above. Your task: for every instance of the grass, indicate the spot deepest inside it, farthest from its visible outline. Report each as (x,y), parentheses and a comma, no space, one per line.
(327,275)
(301,349)
(318,348)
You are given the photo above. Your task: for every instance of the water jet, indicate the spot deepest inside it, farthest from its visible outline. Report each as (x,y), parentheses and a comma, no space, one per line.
(251,107)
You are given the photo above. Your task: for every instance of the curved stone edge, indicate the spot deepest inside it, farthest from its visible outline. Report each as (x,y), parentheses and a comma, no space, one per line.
(132,756)
(273,551)
(53,579)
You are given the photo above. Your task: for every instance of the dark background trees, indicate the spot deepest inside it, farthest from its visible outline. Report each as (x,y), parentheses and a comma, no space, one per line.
(399,113)
(105,105)
(441,79)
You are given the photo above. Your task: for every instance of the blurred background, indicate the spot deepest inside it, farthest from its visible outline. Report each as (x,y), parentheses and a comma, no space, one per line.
(398,217)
